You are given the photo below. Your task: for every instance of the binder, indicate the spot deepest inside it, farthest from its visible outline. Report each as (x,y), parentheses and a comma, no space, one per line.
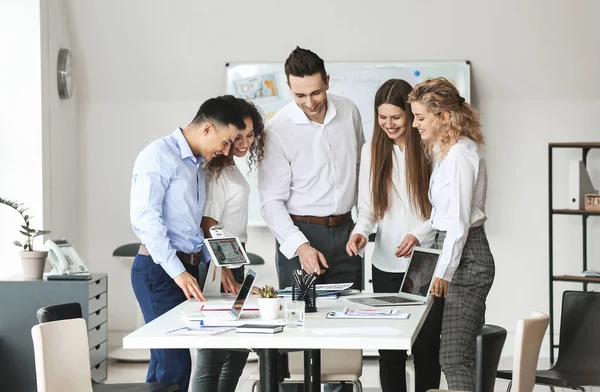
(579,184)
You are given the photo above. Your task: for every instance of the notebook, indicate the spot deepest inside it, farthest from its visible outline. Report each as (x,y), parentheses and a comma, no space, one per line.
(416,285)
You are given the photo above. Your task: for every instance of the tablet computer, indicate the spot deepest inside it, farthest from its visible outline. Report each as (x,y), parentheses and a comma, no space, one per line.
(226,251)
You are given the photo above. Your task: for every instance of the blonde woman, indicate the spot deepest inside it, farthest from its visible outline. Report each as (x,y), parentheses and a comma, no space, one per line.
(452,133)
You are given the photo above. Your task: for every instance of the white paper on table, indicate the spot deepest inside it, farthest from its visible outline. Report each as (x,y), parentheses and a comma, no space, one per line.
(204,331)
(372,331)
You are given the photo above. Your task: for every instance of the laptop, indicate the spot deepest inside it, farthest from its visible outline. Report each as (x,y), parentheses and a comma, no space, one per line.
(232,316)
(416,285)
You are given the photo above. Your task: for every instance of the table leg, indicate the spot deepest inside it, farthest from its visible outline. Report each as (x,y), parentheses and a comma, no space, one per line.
(312,370)
(268,370)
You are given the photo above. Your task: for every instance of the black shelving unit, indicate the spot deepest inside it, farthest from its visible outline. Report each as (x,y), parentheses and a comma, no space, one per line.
(585,149)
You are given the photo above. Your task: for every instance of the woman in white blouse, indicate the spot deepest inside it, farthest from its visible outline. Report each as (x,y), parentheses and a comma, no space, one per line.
(393,180)
(227,193)
(451,130)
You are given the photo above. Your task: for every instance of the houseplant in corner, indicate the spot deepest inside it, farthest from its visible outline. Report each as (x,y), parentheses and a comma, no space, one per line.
(33,261)
(269,304)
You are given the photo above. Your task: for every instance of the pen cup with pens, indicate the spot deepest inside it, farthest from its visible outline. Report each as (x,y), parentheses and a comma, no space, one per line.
(303,289)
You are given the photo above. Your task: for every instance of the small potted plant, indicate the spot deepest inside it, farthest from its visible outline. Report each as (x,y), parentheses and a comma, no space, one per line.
(33,261)
(269,304)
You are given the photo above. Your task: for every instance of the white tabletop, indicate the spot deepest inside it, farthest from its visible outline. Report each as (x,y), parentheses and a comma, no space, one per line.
(317,333)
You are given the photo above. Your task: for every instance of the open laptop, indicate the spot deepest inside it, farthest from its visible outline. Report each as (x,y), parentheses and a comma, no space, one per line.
(233,316)
(416,285)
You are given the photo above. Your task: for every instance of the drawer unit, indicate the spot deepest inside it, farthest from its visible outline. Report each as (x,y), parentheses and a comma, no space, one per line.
(17,360)
(97,326)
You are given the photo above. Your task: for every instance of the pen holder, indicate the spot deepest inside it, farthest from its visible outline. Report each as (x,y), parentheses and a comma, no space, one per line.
(307,294)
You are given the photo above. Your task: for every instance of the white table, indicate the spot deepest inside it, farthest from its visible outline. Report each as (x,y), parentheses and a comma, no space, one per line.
(318,333)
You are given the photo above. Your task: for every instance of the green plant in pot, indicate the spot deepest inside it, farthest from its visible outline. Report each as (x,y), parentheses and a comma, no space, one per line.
(33,261)
(269,304)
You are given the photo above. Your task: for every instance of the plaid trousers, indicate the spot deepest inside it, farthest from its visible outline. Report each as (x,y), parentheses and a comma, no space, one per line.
(464,309)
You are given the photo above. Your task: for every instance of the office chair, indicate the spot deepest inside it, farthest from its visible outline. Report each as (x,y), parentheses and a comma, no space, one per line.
(70,378)
(528,340)
(578,361)
(337,366)
(487,355)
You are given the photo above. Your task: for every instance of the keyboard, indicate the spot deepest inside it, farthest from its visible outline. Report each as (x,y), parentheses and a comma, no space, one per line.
(393,299)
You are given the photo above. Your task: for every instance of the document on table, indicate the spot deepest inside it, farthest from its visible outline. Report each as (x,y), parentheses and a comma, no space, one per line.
(368,314)
(203,331)
(370,331)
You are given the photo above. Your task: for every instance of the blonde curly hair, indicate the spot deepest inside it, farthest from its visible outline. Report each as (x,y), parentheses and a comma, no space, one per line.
(438,95)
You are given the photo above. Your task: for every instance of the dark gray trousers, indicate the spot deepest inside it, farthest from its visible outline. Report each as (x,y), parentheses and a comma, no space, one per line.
(331,241)
(464,309)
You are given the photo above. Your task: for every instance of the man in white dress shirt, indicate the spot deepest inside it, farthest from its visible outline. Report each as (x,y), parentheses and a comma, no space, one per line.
(308,178)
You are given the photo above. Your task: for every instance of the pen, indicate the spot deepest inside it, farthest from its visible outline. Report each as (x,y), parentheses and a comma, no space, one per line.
(175,330)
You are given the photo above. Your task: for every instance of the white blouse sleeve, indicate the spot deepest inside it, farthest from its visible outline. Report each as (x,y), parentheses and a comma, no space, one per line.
(365,220)
(216,197)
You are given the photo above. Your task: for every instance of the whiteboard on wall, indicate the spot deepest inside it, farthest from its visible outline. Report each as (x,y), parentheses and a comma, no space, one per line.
(265,85)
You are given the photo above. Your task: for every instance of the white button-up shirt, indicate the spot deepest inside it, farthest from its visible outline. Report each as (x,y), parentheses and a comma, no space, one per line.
(227,201)
(309,168)
(398,220)
(457,192)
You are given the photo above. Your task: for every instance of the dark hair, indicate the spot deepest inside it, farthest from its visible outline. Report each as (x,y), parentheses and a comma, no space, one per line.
(256,150)
(303,62)
(221,110)
(418,169)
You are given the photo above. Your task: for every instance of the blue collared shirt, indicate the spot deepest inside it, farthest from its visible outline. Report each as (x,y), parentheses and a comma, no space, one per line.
(167,201)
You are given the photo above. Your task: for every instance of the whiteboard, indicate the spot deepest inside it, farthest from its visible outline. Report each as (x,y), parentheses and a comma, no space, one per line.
(265,85)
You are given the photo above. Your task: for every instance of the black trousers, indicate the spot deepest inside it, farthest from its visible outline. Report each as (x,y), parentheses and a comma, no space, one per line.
(331,241)
(425,350)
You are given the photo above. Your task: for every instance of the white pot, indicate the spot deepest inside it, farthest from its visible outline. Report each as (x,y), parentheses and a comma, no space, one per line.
(33,263)
(269,308)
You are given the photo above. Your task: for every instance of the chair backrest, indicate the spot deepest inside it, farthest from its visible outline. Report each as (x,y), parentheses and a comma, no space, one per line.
(62,358)
(487,355)
(528,340)
(579,346)
(66,311)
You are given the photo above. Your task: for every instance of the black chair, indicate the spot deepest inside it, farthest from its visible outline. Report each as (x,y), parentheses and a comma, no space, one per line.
(578,361)
(487,355)
(488,349)
(72,310)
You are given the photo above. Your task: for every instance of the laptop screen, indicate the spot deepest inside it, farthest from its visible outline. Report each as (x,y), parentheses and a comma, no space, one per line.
(420,272)
(243,293)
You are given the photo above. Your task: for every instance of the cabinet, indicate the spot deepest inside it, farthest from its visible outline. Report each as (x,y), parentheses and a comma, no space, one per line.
(585,149)
(19,302)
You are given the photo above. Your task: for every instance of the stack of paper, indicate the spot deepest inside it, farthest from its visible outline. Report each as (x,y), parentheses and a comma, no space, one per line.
(324,291)
(592,274)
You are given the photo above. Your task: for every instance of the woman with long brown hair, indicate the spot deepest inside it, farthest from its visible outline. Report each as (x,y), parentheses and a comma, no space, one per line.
(227,195)
(393,183)
(451,129)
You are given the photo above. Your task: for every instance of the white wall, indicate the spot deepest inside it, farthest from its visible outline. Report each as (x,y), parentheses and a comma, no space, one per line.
(143,68)
(20,124)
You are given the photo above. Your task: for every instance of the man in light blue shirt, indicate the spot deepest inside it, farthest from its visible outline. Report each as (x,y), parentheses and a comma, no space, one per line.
(167,204)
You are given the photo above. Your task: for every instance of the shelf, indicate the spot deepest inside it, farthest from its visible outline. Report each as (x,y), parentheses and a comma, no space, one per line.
(574,212)
(574,278)
(575,145)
